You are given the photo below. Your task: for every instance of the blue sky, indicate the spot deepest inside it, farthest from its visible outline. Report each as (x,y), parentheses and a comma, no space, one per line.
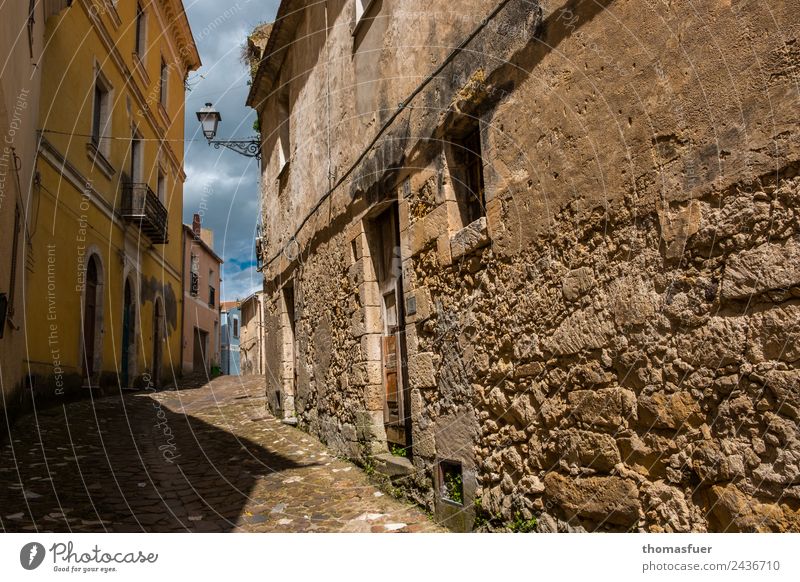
(222,185)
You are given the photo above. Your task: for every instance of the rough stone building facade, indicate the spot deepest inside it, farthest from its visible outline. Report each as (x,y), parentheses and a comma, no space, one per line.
(548,251)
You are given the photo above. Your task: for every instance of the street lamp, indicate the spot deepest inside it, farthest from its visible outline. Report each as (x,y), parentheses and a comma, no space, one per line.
(209,119)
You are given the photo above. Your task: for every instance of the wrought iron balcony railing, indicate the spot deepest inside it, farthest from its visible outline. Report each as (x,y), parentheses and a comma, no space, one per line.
(141,206)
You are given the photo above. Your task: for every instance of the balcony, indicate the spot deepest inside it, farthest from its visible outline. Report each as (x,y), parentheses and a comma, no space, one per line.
(141,206)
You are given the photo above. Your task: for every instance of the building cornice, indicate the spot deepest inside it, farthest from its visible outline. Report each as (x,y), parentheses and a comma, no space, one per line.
(281,35)
(188,230)
(127,74)
(182,33)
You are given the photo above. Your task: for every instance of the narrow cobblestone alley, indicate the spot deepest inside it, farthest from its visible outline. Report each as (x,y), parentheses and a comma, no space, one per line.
(206,460)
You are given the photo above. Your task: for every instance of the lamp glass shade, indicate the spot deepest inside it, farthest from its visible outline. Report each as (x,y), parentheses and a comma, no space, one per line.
(209,119)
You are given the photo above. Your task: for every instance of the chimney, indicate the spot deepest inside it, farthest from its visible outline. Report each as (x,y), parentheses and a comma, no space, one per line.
(196,226)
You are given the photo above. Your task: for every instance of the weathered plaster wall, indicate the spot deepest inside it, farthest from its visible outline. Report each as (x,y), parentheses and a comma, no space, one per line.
(613,346)
(199,314)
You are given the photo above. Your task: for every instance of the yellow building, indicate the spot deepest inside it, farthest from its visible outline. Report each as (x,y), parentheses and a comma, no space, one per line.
(103,298)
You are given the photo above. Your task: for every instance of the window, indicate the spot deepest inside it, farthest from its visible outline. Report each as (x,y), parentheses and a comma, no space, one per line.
(194,288)
(212,292)
(164,78)
(361,9)
(161,188)
(136,157)
(141,31)
(235,327)
(31,23)
(101,117)
(283,129)
(472,201)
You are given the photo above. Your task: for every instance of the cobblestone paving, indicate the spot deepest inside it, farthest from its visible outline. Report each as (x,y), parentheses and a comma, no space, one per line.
(207,459)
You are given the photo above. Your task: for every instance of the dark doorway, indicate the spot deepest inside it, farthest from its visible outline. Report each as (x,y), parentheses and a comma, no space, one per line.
(127,334)
(199,352)
(90,319)
(385,249)
(158,339)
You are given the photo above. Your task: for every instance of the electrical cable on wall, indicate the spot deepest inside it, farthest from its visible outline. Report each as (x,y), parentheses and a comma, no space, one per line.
(405,104)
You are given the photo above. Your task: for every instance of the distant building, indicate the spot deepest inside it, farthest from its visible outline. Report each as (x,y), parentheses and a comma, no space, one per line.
(230,319)
(201,315)
(251,342)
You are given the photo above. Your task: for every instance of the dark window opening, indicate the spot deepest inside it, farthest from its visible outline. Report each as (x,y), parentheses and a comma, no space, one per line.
(470,183)
(235,328)
(451,484)
(212,294)
(140,30)
(31,23)
(136,158)
(97,113)
(164,76)
(161,188)
(284,129)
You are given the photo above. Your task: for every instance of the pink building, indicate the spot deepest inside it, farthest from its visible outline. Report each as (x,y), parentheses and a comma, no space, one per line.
(201,305)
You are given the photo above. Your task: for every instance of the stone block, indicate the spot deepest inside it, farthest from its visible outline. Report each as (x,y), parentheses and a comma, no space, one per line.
(367,373)
(437,222)
(416,238)
(371,347)
(736,512)
(609,500)
(393,466)
(718,343)
(373,397)
(674,411)
(577,283)
(354,230)
(370,295)
(468,239)
(607,408)
(421,298)
(361,272)
(403,215)
(677,225)
(584,329)
(765,268)
(421,370)
(587,449)
(367,319)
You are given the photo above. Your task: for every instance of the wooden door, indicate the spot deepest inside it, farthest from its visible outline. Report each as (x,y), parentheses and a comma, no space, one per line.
(390,282)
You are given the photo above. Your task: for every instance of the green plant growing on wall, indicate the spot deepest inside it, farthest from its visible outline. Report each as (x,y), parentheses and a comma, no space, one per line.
(522,525)
(453,486)
(397,450)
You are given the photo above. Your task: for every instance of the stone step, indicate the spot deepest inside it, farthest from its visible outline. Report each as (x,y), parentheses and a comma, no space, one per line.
(392,465)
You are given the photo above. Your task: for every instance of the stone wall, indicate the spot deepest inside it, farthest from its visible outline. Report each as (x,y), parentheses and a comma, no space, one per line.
(612,347)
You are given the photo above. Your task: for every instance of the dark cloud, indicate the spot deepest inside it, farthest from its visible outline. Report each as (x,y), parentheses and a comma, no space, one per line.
(222,185)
